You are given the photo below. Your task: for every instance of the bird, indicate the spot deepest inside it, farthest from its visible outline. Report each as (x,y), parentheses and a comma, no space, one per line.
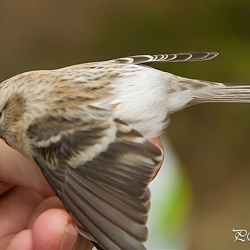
(89,128)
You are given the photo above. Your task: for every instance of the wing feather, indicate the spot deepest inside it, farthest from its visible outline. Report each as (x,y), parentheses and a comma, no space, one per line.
(108,196)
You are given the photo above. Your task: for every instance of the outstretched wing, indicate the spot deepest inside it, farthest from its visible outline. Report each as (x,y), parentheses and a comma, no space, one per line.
(179,57)
(108,195)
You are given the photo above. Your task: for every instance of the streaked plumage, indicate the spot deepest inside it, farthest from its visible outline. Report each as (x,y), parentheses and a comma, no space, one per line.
(88,127)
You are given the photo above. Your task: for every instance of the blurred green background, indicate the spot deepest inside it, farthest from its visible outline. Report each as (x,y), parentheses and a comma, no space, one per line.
(211,141)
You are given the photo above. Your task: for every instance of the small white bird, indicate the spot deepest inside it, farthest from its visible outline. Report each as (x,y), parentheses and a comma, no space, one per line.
(89,129)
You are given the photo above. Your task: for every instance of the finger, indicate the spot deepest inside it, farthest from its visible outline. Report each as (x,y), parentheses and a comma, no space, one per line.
(54,202)
(158,143)
(4,187)
(54,229)
(22,240)
(47,204)
(17,170)
(16,207)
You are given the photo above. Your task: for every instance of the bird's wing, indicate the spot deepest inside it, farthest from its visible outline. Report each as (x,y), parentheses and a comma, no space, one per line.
(108,195)
(178,57)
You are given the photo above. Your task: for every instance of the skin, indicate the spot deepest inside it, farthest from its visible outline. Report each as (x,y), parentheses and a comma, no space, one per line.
(31,216)
(27,204)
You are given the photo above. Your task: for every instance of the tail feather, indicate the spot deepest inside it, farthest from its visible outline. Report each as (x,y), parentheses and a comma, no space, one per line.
(223,93)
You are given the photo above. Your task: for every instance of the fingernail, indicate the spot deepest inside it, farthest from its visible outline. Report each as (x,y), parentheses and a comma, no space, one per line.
(70,237)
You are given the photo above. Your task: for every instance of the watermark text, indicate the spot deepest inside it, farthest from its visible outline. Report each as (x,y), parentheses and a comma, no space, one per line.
(241,235)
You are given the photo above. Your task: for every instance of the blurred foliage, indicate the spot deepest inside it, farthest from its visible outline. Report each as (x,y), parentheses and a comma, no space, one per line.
(171,204)
(212,140)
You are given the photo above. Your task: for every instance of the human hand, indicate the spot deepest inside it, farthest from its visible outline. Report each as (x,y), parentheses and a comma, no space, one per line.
(31,216)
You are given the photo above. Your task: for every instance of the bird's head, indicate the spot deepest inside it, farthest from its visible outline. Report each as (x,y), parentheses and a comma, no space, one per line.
(21,102)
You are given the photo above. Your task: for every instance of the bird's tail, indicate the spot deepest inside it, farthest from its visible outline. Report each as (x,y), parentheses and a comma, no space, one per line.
(224,93)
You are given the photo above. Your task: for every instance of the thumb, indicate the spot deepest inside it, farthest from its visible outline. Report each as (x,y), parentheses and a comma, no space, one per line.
(54,229)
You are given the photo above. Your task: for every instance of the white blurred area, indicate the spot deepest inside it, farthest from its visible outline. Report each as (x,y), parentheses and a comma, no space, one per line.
(171,201)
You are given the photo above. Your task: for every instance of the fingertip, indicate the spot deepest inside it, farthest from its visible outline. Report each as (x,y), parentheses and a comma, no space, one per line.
(157,142)
(70,237)
(22,240)
(53,229)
